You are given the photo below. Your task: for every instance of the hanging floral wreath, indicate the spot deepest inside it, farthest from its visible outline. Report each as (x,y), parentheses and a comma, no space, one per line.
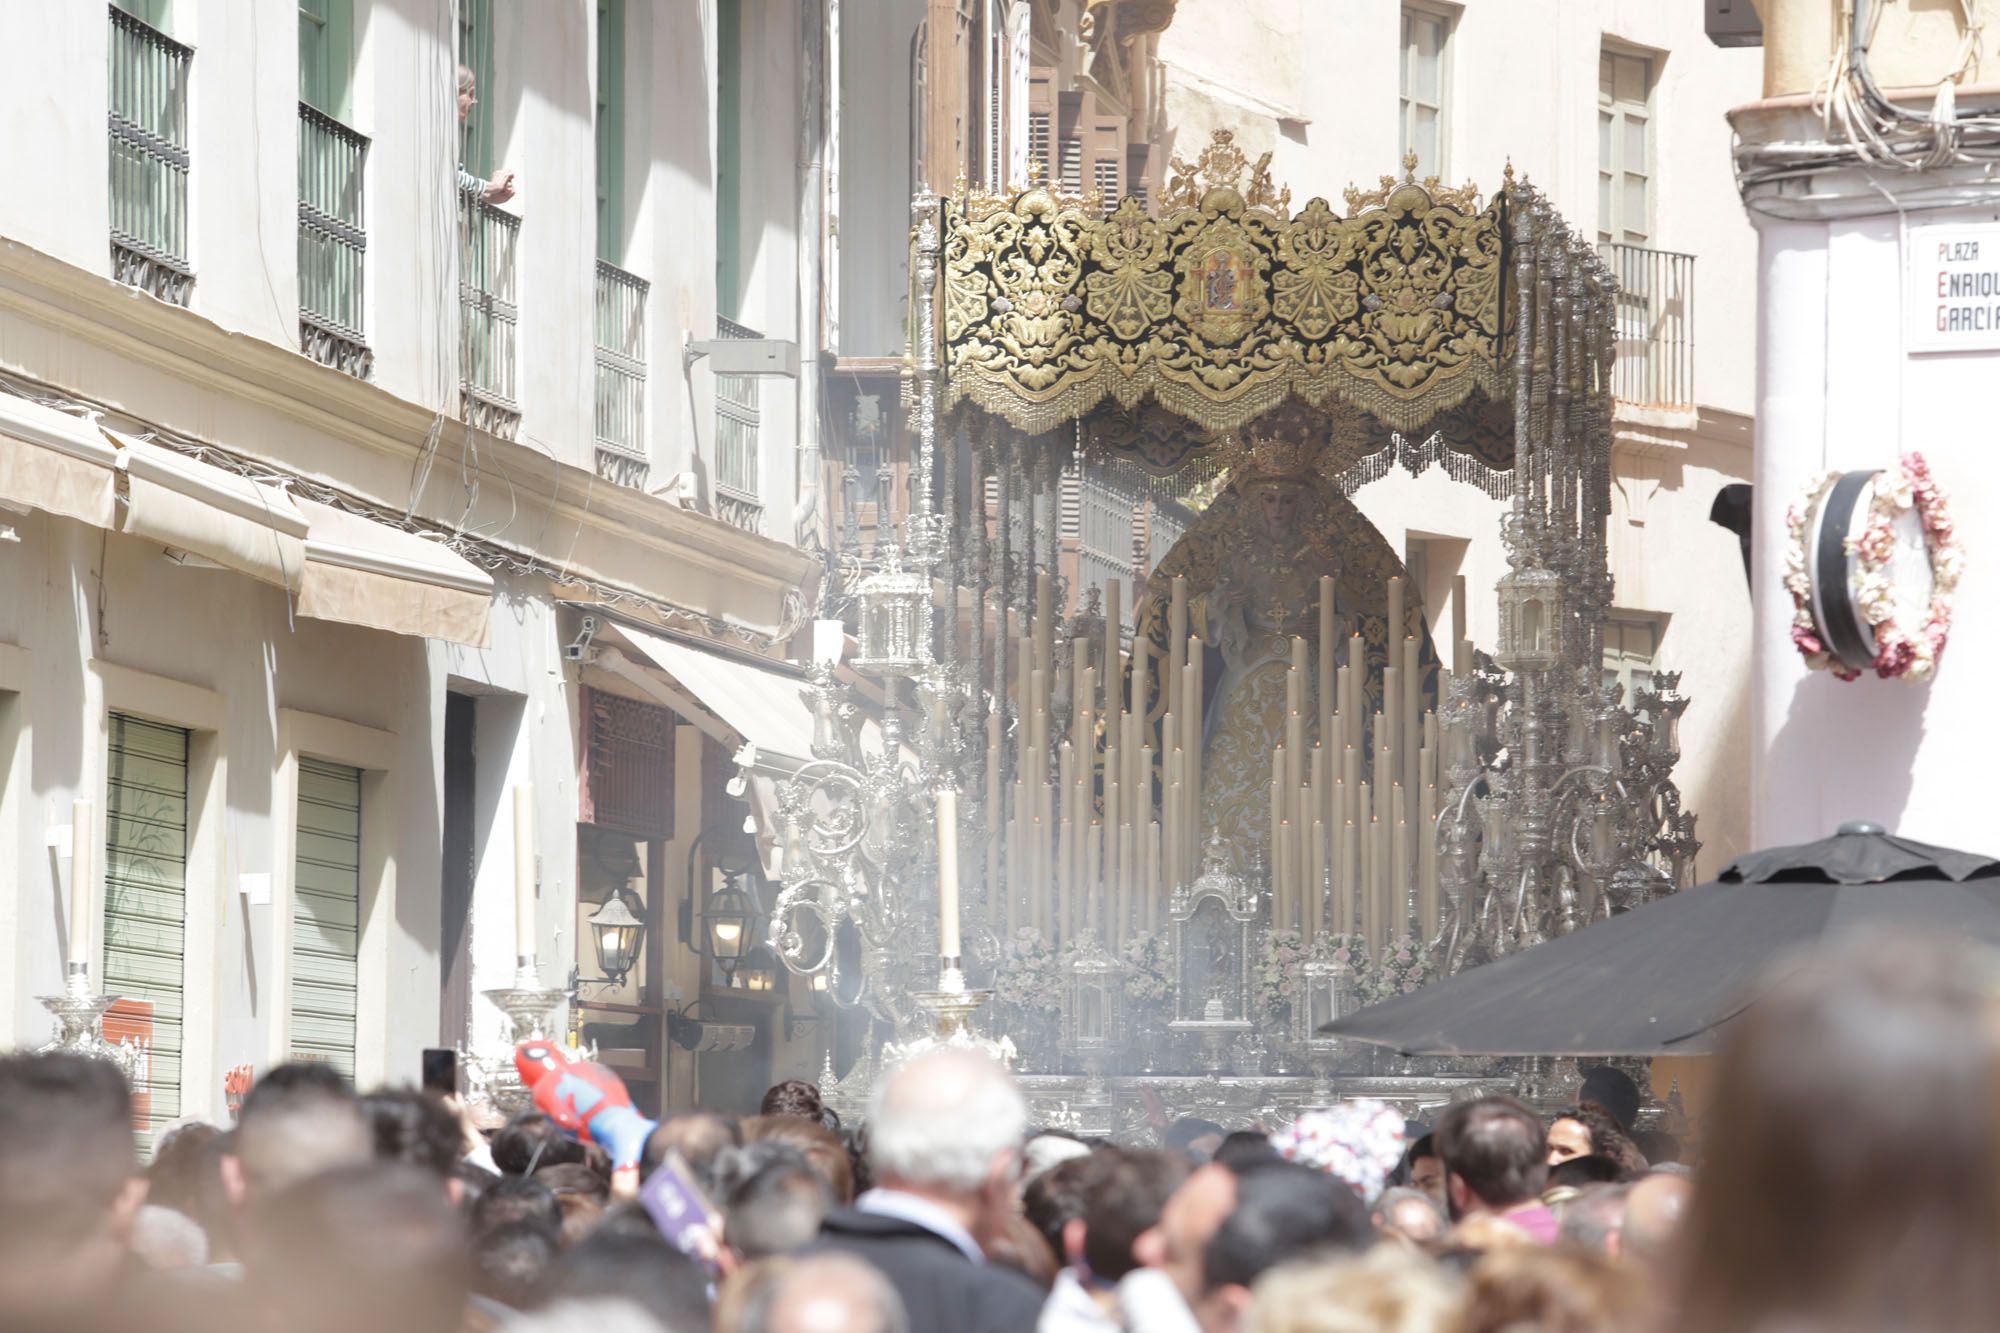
(1906,647)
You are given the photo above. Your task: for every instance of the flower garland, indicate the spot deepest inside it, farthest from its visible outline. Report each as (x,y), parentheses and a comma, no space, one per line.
(1029,977)
(1275,982)
(1903,652)
(1404,965)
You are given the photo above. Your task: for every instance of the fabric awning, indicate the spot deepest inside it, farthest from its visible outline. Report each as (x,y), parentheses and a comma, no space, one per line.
(55,462)
(758,705)
(187,505)
(362,572)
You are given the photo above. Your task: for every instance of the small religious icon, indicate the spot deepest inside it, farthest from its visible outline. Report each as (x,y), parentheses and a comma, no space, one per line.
(1219,280)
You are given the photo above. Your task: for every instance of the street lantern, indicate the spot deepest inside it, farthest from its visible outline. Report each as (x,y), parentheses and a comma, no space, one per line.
(758,970)
(617,932)
(726,925)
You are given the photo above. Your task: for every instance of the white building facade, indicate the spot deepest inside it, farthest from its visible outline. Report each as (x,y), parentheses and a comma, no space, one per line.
(343,505)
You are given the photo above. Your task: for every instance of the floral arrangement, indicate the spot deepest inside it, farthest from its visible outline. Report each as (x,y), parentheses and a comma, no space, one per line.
(1350,948)
(1148,962)
(1029,978)
(1275,981)
(1404,965)
(1903,651)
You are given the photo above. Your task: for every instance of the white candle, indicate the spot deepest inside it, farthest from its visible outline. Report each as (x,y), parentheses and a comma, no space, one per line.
(524,871)
(947,848)
(82,843)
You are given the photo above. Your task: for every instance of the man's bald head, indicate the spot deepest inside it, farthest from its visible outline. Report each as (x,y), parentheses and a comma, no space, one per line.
(830,1293)
(1654,1208)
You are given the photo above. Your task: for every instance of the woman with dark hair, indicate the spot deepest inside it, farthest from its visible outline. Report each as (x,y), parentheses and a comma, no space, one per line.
(1850,1177)
(796,1097)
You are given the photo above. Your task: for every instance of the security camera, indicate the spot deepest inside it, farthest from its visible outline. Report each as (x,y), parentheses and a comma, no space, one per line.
(579,649)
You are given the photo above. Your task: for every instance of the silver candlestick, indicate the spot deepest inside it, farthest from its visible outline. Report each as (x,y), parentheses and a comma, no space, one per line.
(530,1008)
(79,1011)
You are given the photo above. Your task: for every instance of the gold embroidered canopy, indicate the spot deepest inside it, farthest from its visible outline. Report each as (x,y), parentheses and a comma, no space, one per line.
(1227,305)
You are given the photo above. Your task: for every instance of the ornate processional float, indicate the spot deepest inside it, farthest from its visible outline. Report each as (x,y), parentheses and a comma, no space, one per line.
(1172,843)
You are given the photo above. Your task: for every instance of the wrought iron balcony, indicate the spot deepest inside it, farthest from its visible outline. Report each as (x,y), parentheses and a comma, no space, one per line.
(148,116)
(738,499)
(621,376)
(332,242)
(490,315)
(1655,366)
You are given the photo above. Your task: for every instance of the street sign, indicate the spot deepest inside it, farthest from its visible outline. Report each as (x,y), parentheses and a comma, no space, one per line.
(1951,288)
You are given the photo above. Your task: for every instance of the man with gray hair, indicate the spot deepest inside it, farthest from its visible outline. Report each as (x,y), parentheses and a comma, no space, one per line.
(826,1293)
(944,1141)
(772,1200)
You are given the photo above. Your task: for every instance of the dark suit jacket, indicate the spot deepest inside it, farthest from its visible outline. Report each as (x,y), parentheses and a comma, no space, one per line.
(942,1290)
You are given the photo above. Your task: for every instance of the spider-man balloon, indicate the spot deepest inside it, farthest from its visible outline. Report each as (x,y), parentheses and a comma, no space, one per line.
(584,1099)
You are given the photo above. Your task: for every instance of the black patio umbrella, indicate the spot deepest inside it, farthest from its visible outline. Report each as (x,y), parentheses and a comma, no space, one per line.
(1660,980)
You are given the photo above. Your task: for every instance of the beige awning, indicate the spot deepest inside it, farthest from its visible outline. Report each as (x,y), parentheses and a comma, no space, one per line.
(762,706)
(55,462)
(189,506)
(366,573)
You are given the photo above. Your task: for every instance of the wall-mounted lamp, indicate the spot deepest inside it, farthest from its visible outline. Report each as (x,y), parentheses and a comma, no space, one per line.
(618,933)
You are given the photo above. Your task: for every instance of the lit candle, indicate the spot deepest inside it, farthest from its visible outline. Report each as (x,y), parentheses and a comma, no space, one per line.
(947,850)
(82,843)
(524,871)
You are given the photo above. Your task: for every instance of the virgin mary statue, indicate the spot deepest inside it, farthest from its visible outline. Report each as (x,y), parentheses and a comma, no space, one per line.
(1253,561)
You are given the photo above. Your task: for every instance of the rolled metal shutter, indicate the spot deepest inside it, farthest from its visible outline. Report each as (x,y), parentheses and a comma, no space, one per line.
(326,914)
(145,897)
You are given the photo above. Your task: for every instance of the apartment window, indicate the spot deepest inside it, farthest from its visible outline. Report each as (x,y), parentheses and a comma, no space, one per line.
(737,495)
(326,55)
(1069,171)
(1624,147)
(148,98)
(1038,141)
(145,900)
(728,158)
(611,130)
(332,225)
(326,914)
(1630,644)
(475,52)
(1423,79)
(488,240)
(621,375)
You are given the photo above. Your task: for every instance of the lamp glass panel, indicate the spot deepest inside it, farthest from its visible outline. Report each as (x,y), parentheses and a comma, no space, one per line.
(608,861)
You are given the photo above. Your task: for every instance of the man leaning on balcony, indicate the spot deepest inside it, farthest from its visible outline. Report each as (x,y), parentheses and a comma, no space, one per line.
(501,188)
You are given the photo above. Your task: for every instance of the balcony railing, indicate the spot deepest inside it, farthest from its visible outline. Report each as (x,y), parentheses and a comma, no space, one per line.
(332,242)
(490,316)
(1655,365)
(621,376)
(737,497)
(148,97)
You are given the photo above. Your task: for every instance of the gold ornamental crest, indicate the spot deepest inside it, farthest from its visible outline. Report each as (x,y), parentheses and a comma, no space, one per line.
(1226,305)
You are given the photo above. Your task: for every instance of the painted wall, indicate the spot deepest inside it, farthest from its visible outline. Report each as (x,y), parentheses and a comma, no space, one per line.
(1838,392)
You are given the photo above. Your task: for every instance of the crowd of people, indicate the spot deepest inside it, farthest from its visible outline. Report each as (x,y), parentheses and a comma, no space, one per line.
(1846,1177)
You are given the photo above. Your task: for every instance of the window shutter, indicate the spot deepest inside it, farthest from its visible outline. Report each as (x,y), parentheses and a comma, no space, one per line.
(628,765)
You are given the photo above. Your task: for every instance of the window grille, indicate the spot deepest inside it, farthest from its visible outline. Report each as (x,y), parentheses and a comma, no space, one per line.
(148,94)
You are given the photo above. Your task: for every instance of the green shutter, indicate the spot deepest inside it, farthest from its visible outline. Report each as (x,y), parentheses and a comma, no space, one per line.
(475,52)
(326,914)
(728,153)
(145,893)
(158,13)
(611,131)
(326,55)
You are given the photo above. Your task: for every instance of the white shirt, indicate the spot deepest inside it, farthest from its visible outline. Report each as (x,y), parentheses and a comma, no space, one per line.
(921,1212)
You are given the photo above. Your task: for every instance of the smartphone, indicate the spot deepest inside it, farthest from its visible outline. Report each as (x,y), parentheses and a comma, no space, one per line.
(441,1071)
